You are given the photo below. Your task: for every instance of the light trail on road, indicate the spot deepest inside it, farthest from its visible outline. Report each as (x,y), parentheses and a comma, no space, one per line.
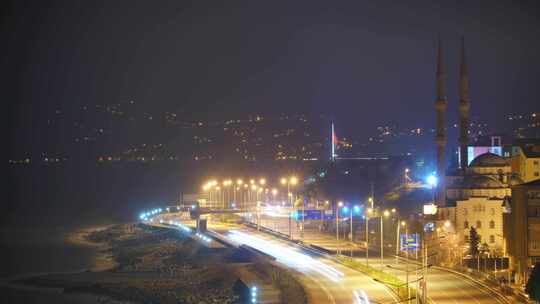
(325,281)
(286,255)
(360,297)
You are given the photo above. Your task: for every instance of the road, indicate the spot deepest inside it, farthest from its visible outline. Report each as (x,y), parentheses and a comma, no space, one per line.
(325,281)
(444,287)
(331,282)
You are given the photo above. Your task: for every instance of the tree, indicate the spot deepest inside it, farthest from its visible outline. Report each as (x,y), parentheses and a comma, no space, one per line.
(483,248)
(474,240)
(533,284)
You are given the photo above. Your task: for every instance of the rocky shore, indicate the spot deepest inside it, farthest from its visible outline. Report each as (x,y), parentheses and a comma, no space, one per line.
(154,265)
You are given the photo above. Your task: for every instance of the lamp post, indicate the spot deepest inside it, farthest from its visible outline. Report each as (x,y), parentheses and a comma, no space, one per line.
(339,205)
(239,183)
(404,224)
(356,209)
(292,181)
(385,213)
(227,185)
(406,177)
(245,198)
(399,224)
(432,182)
(369,212)
(262,182)
(274,193)
(253,189)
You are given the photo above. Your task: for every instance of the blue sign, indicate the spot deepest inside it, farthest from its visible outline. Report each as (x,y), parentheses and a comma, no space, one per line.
(308,215)
(409,241)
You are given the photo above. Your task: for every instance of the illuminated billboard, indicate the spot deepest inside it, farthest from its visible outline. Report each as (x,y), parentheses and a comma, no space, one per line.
(430,209)
(409,242)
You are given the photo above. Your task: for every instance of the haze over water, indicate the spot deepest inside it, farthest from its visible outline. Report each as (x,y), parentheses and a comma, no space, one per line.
(47,203)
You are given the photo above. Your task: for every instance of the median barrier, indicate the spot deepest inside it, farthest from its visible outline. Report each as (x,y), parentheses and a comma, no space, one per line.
(322,249)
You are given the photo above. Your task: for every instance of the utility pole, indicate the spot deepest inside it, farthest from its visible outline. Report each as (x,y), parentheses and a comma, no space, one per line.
(397,241)
(382,243)
(370,200)
(407,261)
(351,236)
(290,229)
(258,217)
(367,240)
(337,229)
(302,230)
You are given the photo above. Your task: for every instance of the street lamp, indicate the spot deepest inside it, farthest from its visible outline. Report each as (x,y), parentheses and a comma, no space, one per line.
(237,187)
(226,184)
(432,182)
(355,209)
(369,212)
(386,213)
(294,180)
(291,182)
(340,204)
(274,193)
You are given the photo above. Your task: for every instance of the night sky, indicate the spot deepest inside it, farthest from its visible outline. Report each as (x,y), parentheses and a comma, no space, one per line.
(363,62)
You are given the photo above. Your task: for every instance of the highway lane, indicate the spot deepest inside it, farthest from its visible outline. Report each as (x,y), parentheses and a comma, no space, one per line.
(337,281)
(444,287)
(325,281)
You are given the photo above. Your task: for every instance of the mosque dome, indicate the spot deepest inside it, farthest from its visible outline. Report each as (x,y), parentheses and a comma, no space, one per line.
(489,160)
(482,181)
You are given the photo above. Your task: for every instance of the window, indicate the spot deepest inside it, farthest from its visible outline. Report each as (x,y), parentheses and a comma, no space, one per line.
(466,238)
(492,211)
(466,224)
(465,211)
(536,173)
(492,239)
(478,224)
(491,224)
(534,195)
(533,211)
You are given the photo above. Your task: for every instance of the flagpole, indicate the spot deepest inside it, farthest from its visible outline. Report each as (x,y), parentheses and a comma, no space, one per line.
(333,143)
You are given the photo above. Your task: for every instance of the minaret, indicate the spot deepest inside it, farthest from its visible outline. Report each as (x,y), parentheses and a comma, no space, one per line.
(464,106)
(440,138)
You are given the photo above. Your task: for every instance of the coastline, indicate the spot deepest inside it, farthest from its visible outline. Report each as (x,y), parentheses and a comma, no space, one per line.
(127,268)
(137,263)
(17,287)
(103,260)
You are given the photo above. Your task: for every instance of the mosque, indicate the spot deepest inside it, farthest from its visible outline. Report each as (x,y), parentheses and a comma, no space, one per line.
(473,193)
